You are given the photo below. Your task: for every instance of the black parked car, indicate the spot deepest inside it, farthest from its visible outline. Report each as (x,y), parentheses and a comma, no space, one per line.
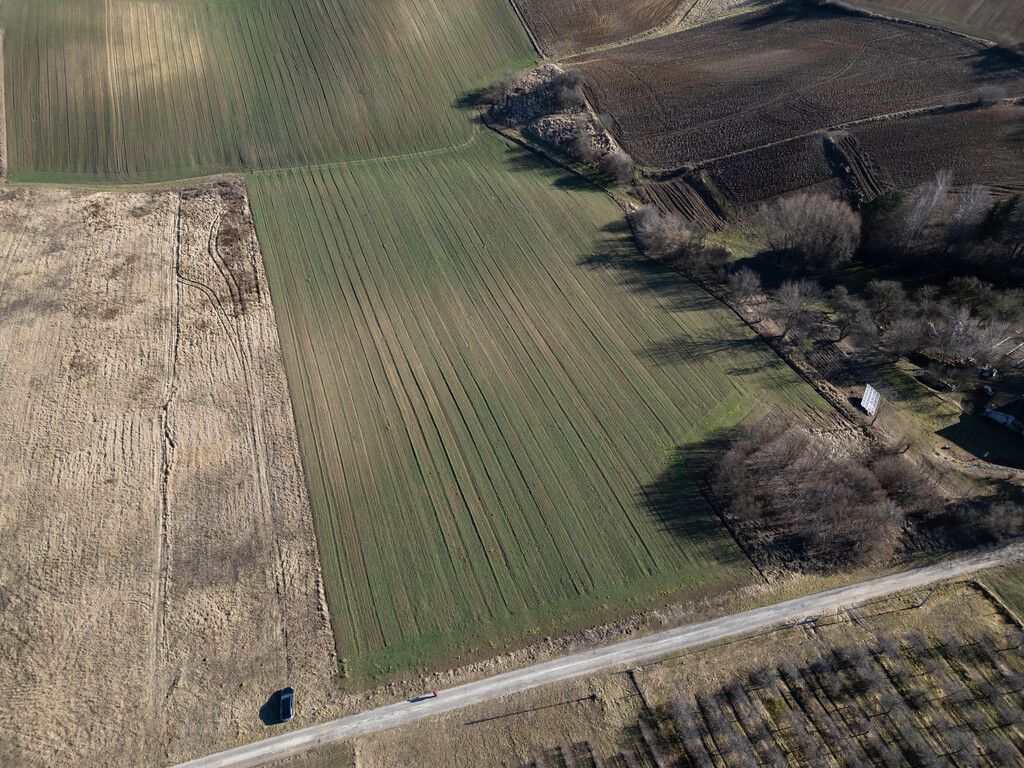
(287,704)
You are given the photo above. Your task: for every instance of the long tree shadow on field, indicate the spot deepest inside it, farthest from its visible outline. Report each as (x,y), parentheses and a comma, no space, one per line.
(679,497)
(617,254)
(676,293)
(997,63)
(778,12)
(520,160)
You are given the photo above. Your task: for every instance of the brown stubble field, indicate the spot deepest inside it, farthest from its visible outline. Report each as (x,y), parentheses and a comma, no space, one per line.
(160,575)
(776,74)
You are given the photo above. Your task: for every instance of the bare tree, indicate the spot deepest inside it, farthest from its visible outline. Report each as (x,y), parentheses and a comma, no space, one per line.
(987,95)
(968,211)
(582,144)
(956,334)
(907,483)
(923,204)
(617,165)
(568,88)
(796,301)
(744,284)
(789,488)
(500,90)
(816,231)
(665,235)
(852,317)
(903,336)
(888,300)
(927,299)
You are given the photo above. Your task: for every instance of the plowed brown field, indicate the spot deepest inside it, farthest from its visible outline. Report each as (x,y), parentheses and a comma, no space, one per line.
(999,20)
(800,165)
(777,74)
(562,26)
(981,146)
(160,574)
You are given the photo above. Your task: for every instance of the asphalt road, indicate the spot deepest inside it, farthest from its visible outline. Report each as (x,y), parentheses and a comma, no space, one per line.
(602,659)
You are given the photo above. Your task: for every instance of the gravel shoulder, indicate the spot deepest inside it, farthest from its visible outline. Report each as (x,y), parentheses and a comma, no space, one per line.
(602,659)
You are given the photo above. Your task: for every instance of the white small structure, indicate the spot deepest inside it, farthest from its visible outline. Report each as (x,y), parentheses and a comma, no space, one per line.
(870,400)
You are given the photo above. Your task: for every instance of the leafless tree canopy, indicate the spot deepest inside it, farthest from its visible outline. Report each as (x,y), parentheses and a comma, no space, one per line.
(851,315)
(744,284)
(924,205)
(797,303)
(814,231)
(617,165)
(790,488)
(665,235)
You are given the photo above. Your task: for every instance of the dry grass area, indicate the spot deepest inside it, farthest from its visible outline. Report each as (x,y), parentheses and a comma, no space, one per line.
(510,731)
(159,575)
(776,74)
(885,684)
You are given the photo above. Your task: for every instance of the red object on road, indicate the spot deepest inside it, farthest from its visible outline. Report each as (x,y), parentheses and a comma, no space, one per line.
(434,694)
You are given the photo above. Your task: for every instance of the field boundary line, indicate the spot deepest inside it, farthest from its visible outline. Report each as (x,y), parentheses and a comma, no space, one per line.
(3,110)
(526,28)
(993,596)
(664,174)
(609,657)
(855,10)
(180,182)
(675,24)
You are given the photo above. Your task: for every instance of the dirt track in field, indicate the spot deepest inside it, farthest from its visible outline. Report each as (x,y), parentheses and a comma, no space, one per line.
(160,576)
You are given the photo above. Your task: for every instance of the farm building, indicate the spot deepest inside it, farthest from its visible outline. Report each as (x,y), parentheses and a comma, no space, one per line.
(1008,410)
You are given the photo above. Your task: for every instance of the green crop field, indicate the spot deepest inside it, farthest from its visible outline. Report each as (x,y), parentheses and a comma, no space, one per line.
(502,410)
(490,390)
(159,89)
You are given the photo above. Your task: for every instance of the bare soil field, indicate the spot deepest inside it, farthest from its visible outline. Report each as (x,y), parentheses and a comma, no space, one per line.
(980,146)
(800,165)
(561,27)
(996,20)
(687,194)
(159,576)
(777,74)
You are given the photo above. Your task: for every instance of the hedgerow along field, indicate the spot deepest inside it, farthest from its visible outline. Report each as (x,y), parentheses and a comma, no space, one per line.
(145,90)
(490,389)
